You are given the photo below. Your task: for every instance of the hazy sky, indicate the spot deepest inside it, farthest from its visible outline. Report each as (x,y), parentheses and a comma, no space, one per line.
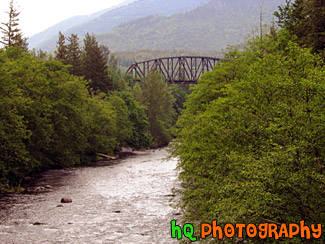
(37,15)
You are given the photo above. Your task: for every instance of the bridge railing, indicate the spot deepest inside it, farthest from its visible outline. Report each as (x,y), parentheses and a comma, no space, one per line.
(185,69)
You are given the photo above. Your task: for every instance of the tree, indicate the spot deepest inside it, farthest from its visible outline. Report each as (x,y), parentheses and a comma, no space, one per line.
(124,132)
(305,19)
(12,35)
(132,120)
(95,65)
(251,139)
(61,49)
(70,53)
(179,91)
(157,97)
(48,119)
(74,55)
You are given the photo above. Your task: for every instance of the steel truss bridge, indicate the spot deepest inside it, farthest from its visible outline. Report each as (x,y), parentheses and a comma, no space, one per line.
(185,69)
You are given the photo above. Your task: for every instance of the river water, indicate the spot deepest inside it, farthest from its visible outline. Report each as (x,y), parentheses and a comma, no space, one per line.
(121,201)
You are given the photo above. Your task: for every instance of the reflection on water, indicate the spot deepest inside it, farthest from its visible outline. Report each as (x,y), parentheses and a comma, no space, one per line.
(124,202)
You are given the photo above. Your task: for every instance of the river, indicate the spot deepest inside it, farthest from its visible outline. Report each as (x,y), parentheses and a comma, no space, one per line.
(121,201)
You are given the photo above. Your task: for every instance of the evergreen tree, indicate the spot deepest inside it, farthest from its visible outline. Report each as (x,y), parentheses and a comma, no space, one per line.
(95,65)
(305,19)
(105,52)
(12,35)
(74,55)
(61,52)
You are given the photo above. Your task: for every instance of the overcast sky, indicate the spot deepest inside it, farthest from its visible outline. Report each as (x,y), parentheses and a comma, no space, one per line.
(38,15)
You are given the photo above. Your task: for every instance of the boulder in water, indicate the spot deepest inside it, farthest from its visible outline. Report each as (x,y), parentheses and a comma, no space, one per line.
(66,200)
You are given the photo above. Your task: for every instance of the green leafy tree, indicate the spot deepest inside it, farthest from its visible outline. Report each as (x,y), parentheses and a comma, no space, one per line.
(251,139)
(124,132)
(102,127)
(48,119)
(157,97)
(137,92)
(14,156)
(117,80)
(137,121)
(12,35)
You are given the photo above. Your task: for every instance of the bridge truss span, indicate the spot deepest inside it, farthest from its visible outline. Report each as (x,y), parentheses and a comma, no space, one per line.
(184,69)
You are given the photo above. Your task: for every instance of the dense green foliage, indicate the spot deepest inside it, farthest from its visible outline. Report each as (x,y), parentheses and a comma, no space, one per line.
(62,112)
(49,119)
(180,92)
(305,20)
(132,119)
(251,139)
(48,107)
(159,100)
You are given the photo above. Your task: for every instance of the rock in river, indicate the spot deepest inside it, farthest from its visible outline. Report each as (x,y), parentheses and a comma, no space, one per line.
(66,200)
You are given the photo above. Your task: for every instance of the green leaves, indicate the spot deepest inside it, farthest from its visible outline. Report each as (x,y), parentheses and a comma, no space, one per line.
(251,139)
(305,20)
(131,119)
(48,119)
(157,97)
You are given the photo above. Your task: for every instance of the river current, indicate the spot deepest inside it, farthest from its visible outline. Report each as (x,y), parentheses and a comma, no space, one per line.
(122,201)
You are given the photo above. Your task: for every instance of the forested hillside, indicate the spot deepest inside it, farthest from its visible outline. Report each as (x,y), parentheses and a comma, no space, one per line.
(106,21)
(209,27)
(51,33)
(196,25)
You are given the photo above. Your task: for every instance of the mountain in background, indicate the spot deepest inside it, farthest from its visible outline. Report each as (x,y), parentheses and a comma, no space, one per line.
(106,20)
(36,40)
(209,27)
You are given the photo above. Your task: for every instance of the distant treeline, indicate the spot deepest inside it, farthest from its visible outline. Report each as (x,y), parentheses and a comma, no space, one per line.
(213,25)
